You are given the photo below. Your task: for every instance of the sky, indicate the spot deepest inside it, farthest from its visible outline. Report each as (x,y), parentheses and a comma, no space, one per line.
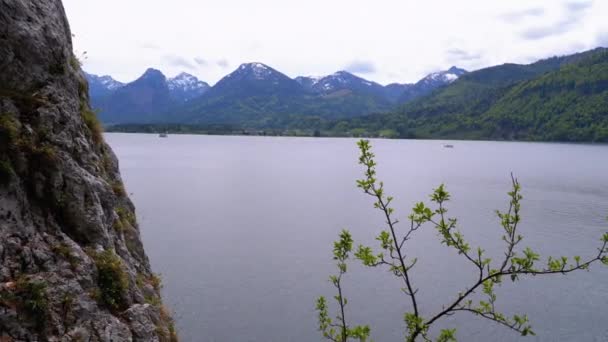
(383,40)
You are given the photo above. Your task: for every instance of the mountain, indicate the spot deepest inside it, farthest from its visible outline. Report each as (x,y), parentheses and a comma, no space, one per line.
(559,98)
(255,79)
(253,95)
(185,87)
(569,104)
(441,78)
(101,86)
(251,91)
(307,81)
(343,80)
(394,91)
(430,83)
(256,95)
(143,99)
(138,101)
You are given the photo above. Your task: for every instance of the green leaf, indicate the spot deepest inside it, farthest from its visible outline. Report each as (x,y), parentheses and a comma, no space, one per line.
(447,335)
(343,246)
(366,256)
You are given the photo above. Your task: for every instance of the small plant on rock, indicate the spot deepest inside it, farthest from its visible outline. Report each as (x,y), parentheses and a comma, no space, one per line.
(112,280)
(32,298)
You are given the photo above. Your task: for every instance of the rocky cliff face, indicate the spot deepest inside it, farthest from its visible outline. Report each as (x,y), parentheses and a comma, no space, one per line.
(72,266)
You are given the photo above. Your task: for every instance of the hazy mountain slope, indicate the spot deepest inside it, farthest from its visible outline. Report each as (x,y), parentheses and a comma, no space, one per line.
(143,99)
(138,101)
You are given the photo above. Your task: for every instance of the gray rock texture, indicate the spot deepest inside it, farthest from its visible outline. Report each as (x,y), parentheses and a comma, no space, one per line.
(72,265)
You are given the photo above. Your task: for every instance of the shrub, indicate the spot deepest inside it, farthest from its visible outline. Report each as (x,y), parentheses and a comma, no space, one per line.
(66,252)
(6,172)
(66,303)
(32,298)
(152,300)
(118,188)
(83,88)
(126,216)
(9,130)
(118,226)
(106,162)
(90,119)
(154,280)
(173,333)
(76,62)
(41,155)
(57,69)
(164,315)
(112,280)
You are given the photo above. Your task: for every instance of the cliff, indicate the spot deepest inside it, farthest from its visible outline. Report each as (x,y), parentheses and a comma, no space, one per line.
(72,265)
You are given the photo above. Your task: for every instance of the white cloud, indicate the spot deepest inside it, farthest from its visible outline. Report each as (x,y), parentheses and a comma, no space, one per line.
(200,61)
(574,14)
(401,39)
(361,67)
(223,63)
(519,15)
(179,62)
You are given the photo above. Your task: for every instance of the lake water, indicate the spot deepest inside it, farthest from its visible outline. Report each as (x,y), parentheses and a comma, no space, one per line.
(241,229)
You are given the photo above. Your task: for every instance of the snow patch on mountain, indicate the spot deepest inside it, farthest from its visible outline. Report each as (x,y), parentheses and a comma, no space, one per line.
(105,81)
(258,70)
(186,82)
(450,77)
(110,83)
(313,79)
(446,76)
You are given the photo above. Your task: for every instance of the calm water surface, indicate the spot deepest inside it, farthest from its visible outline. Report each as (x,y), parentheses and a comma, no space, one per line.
(241,230)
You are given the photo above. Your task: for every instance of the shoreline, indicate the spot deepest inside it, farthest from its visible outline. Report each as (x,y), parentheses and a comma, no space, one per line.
(590,143)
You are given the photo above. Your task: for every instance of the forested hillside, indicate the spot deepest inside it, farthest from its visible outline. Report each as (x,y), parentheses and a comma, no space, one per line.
(558,99)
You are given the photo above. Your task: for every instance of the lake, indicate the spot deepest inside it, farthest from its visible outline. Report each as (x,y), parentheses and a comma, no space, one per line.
(241,229)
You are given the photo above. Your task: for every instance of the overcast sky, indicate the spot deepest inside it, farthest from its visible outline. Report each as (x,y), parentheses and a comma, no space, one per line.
(383,40)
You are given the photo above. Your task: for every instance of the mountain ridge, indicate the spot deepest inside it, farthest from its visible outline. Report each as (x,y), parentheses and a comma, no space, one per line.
(554,99)
(252,91)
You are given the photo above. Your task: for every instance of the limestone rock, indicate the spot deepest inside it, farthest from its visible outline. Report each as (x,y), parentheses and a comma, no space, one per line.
(72,266)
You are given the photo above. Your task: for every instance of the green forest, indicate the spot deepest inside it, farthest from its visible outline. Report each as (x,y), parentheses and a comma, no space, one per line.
(508,102)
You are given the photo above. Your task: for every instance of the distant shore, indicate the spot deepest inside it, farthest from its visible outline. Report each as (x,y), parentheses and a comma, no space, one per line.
(228,130)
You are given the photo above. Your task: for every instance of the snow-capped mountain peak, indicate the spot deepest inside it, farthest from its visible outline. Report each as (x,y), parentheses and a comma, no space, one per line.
(101,86)
(340,80)
(109,82)
(185,86)
(446,76)
(257,70)
(105,81)
(308,82)
(186,82)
